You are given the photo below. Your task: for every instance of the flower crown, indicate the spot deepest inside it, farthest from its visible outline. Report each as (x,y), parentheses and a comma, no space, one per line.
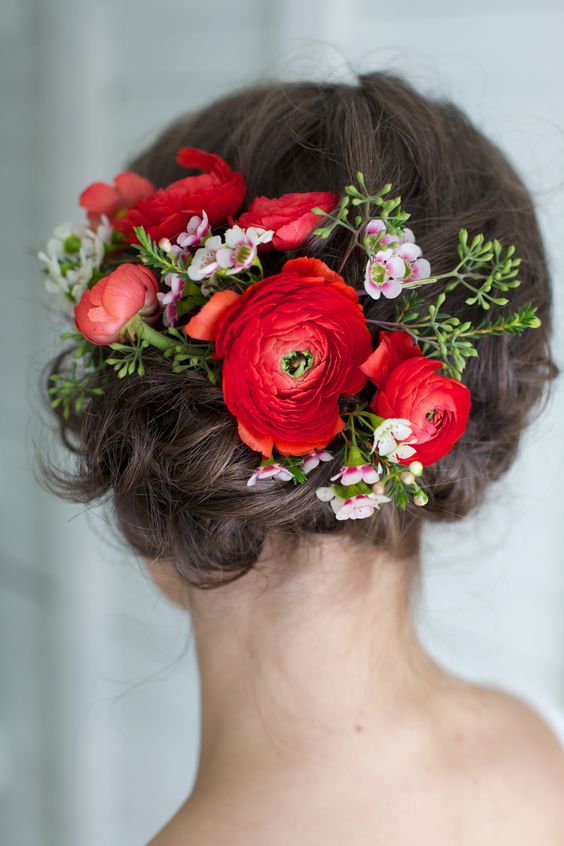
(292,349)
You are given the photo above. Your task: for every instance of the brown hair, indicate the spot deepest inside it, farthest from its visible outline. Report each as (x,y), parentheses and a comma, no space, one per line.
(165,446)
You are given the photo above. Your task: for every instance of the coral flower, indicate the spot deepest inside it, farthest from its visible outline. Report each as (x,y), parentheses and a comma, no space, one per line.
(100,199)
(104,311)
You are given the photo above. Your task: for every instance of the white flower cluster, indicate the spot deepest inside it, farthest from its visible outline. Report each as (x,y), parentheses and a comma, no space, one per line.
(73,254)
(391,440)
(235,253)
(282,474)
(355,507)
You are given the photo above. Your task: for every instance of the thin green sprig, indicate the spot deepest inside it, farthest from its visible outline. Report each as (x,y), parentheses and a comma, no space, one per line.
(72,390)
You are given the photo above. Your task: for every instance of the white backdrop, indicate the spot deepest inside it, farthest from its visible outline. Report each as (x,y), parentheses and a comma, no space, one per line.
(98,699)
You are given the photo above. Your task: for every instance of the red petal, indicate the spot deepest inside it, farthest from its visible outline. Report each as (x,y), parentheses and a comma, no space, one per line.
(293,234)
(259,443)
(312,267)
(303,447)
(200,160)
(100,198)
(133,187)
(393,349)
(204,326)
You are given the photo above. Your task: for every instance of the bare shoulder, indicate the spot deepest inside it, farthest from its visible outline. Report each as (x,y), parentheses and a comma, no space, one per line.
(521,761)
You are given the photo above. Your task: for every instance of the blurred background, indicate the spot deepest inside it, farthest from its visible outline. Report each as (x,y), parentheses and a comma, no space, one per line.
(98,688)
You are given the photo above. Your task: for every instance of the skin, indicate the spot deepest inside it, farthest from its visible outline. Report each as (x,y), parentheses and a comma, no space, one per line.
(324,722)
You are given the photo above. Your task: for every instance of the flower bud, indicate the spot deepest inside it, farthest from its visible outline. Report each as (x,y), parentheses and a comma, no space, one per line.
(421,499)
(407,477)
(379,488)
(165,245)
(416,468)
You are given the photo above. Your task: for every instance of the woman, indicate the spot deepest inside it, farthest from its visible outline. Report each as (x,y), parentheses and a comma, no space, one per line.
(324,721)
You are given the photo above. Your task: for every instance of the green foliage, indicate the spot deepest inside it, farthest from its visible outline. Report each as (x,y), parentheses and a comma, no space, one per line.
(494,268)
(294,465)
(90,354)
(71,390)
(128,358)
(396,489)
(507,323)
(447,338)
(357,199)
(187,355)
(152,255)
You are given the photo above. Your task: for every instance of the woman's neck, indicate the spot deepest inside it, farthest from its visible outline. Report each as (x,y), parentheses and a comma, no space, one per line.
(301,661)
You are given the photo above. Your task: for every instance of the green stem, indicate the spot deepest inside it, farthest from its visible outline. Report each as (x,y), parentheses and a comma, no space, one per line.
(353,433)
(156,339)
(430,280)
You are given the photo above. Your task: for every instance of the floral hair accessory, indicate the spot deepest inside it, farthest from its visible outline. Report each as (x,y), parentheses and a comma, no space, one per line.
(172,269)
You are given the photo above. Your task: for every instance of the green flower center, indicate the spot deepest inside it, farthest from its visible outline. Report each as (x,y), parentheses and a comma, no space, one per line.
(71,244)
(296,362)
(242,254)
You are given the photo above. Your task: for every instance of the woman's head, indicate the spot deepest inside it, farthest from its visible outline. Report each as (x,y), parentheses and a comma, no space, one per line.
(166,447)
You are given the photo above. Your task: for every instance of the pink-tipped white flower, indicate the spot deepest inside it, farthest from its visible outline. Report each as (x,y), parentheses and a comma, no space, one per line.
(352,475)
(375,226)
(270,471)
(377,234)
(169,299)
(416,267)
(393,260)
(356,507)
(360,506)
(205,263)
(384,274)
(311,461)
(196,230)
(392,439)
(240,249)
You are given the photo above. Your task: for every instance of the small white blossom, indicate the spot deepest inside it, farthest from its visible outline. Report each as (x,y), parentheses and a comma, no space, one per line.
(169,299)
(355,507)
(360,506)
(270,471)
(393,260)
(205,263)
(73,253)
(240,249)
(196,230)
(391,439)
(353,474)
(311,461)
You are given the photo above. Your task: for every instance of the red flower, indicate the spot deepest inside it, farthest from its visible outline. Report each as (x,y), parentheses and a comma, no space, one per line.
(219,191)
(409,386)
(289,216)
(112,200)
(291,345)
(105,309)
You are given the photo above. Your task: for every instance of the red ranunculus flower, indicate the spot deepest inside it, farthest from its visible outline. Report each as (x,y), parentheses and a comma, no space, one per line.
(219,191)
(289,216)
(112,200)
(104,310)
(409,386)
(291,345)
